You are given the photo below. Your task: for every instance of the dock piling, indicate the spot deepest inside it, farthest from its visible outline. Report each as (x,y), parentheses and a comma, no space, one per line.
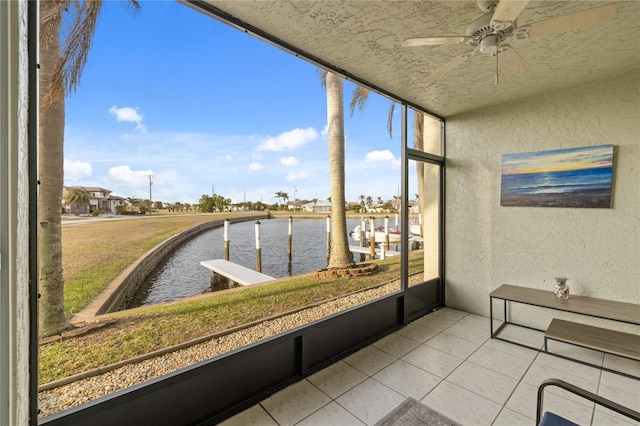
(363,240)
(258,249)
(386,232)
(372,237)
(225,237)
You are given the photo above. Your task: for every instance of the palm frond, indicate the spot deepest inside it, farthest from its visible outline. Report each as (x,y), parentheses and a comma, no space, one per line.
(323,77)
(76,46)
(359,99)
(390,119)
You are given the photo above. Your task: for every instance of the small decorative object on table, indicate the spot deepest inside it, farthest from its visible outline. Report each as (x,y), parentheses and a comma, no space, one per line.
(561,289)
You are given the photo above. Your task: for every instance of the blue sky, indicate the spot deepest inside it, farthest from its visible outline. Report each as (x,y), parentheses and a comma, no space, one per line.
(199,105)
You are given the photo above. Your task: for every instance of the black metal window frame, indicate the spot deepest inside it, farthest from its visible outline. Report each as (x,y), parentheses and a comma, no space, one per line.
(213,390)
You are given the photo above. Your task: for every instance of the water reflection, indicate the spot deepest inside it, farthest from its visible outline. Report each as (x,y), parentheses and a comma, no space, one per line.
(181,274)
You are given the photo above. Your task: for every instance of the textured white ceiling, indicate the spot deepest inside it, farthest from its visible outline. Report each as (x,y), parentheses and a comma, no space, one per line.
(363,38)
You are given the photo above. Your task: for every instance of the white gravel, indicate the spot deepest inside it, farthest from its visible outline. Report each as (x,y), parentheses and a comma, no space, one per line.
(81,391)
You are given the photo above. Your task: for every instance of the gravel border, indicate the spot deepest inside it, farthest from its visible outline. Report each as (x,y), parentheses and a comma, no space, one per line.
(51,401)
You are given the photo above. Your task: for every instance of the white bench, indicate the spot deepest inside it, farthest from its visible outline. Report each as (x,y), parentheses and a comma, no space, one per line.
(234,272)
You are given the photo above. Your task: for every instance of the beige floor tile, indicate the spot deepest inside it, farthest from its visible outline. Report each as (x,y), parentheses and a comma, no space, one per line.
(370,401)
(511,418)
(479,322)
(541,371)
(396,345)
(567,366)
(522,335)
(469,333)
(482,381)
(370,360)
(337,379)
(500,362)
(511,349)
(450,314)
(624,365)
(417,332)
(435,322)
(407,379)
(255,415)
(610,418)
(523,400)
(453,345)
(432,360)
(295,403)
(332,414)
(623,390)
(462,405)
(575,352)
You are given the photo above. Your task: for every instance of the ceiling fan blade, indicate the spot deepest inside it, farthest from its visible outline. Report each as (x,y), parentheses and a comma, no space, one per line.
(450,66)
(573,21)
(435,41)
(506,13)
(510,61)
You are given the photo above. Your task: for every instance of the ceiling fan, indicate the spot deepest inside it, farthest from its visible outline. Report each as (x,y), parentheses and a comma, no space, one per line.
(488,34)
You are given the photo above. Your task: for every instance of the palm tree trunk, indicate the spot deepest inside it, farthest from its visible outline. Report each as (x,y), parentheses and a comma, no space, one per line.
(418,144)
(340,255)
(50,172)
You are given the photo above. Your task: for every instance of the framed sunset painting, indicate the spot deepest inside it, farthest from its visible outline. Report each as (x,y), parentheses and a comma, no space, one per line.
(575,177)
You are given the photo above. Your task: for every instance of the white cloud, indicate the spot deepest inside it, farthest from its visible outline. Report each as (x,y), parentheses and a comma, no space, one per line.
(255,166)
(289,141)
(385,156)
(325,132)
(293,176)
(130,115)
(289,161)
(76,170)
(123,175)
(228,157)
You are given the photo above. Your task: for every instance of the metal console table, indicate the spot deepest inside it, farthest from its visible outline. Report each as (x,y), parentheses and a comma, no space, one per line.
(589,306)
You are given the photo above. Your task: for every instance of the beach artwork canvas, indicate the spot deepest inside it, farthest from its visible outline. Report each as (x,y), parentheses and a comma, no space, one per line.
(576,177)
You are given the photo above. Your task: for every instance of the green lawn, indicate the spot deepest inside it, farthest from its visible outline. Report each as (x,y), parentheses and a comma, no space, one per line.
(93,257)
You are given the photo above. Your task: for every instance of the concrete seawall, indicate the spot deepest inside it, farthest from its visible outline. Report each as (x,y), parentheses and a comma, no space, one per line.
(120,291)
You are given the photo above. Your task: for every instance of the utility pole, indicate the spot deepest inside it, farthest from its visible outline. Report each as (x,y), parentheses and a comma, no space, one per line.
(150,199)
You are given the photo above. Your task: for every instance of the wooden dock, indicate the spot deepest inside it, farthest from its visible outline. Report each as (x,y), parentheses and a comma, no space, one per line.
(233,273)
(367,250)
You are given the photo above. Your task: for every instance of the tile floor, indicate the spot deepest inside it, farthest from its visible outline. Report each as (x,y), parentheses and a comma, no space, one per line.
(448,361)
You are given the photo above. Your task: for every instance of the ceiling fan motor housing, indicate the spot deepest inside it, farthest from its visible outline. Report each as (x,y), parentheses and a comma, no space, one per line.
(481,30)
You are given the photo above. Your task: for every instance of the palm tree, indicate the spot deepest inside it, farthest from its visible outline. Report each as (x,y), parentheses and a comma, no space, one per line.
(340,256)
(359,99)
(133,202)
(279,196)
(77,197)
(60,71)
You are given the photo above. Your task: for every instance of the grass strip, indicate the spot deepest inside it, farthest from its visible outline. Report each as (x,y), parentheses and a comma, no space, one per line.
(93,254)
(141,331)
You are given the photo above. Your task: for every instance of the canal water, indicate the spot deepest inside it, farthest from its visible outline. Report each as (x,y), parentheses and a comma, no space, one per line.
(181,275)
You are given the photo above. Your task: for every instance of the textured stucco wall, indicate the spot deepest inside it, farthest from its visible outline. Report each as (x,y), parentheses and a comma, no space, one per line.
(487,245)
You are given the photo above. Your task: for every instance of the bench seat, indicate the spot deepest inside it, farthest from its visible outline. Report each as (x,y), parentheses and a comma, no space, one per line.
(609,341)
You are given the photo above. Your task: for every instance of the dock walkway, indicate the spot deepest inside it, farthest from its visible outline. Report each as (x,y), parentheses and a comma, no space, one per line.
(367,250)
(234,272)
